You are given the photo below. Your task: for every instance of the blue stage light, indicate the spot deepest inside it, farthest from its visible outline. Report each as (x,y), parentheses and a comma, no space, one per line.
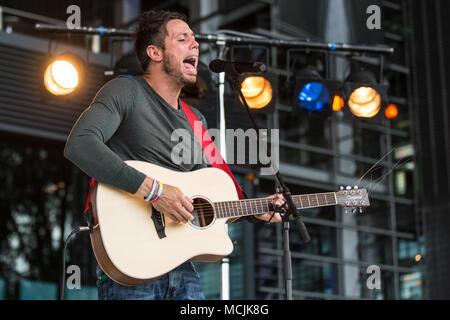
(314,96)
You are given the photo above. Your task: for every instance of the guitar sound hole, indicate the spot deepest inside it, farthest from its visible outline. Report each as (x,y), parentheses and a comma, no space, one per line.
(203,213)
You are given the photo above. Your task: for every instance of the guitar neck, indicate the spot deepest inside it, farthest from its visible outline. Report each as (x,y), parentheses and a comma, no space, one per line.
(248,207)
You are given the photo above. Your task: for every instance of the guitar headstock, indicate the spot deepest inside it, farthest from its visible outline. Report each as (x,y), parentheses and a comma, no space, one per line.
(352,198)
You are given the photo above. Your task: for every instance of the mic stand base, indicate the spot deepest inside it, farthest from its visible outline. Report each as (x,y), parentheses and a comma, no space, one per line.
(287,261)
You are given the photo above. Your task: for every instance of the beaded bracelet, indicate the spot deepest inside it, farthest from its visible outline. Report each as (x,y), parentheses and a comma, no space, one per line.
(155,183)
(160,185)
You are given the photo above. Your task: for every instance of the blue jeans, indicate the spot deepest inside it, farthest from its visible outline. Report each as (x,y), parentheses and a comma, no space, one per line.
(182,283)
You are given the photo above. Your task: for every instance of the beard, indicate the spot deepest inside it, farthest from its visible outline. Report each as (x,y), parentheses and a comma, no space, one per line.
(170,67)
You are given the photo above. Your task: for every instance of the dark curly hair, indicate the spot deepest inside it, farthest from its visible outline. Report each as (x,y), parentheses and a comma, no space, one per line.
(152,31)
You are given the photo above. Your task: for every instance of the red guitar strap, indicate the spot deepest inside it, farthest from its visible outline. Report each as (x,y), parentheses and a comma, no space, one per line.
(91,185)
(208,146)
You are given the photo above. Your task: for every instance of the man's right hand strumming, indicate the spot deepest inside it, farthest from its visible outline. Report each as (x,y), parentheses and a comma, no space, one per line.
(172,202)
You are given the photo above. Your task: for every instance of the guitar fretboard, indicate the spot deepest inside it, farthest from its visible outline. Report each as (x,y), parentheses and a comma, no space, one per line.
(247,207)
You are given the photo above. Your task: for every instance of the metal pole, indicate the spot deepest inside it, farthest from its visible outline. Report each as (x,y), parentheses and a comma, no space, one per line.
(287,260)
(222,123)
(1,18)
(215,38)
(225,262)
(225,265)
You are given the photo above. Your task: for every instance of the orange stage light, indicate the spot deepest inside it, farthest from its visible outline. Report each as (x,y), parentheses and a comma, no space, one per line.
(338,103)
(391,111)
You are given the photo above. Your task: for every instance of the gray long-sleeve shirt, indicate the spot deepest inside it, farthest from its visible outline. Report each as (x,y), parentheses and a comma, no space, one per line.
(128,120)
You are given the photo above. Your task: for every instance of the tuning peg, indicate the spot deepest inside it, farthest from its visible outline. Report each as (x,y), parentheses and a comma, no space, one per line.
(348,188)
(361,210)
(355,187)
(341,187)
(350,210)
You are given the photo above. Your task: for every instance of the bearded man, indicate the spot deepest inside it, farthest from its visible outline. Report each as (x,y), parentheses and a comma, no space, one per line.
(132,118)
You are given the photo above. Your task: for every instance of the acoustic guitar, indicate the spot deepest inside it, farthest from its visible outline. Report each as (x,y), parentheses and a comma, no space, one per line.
(134,244)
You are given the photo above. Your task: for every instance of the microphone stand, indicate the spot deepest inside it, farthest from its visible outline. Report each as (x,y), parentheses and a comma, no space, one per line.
(288,208)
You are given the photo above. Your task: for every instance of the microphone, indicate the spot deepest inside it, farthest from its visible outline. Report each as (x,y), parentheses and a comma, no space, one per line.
(219,66)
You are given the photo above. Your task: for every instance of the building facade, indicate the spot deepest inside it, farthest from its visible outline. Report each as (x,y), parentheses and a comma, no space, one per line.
(44,194)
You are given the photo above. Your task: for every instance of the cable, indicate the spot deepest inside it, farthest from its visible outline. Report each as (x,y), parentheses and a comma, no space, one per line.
(63,278)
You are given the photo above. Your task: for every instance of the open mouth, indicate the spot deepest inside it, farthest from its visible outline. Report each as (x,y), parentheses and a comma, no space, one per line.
(190,63)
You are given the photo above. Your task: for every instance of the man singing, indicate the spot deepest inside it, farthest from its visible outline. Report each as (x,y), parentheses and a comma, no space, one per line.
(133,119)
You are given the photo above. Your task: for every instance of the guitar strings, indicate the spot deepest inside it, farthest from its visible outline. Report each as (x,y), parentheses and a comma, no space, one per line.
(357,182)
(252,206)
(266,200)
(235,205)
(210,211)
(380,179)
(213,209)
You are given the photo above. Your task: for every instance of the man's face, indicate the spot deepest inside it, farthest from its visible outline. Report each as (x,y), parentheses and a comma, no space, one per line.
(180,58)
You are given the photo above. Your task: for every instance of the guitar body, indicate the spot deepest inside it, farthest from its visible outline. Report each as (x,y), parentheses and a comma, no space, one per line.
(125,241)
(131,251)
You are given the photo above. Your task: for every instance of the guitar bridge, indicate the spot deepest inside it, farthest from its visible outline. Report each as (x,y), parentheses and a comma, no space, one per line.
(158,221)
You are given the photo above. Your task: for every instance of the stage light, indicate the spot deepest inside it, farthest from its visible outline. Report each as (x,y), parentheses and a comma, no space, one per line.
(127,65)
(63,74)
(250,176)
(312,92)
(365,95)
(61,77)
(257,91)
(338,103)
(314,96)
(364,102)
(391,111)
